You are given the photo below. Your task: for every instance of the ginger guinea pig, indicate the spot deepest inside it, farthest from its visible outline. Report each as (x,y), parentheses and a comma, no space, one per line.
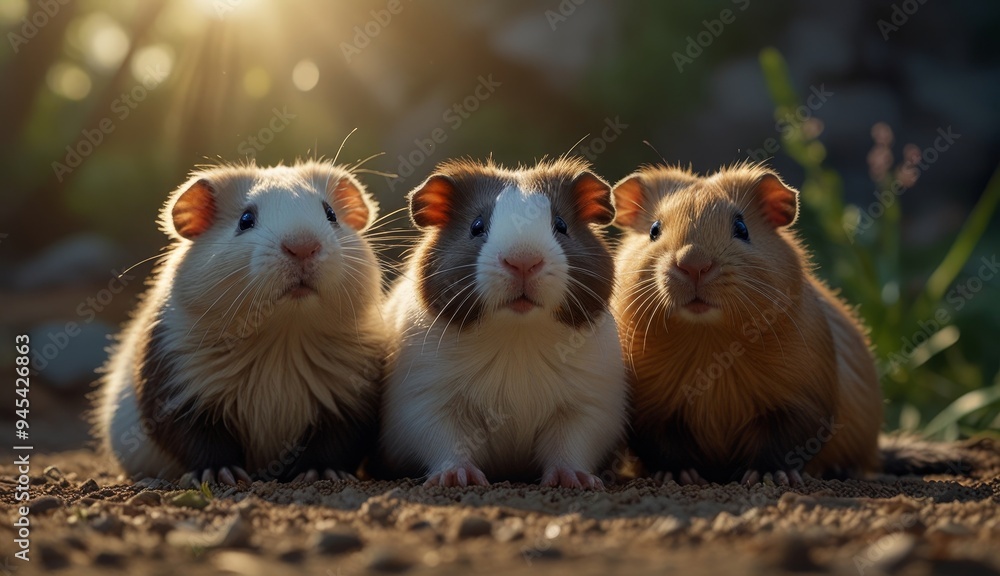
(505,361)
(256,350)
(741,361)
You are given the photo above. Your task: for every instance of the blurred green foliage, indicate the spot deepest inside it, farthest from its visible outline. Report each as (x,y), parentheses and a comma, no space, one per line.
(914,325)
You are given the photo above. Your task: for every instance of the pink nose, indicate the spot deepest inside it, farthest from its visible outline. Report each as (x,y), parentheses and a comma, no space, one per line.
(301,249)
(523,266)
(694,264)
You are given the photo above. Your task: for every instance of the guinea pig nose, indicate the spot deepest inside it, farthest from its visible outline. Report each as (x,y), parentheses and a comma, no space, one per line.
(524,264)
(301,249)
(694,264)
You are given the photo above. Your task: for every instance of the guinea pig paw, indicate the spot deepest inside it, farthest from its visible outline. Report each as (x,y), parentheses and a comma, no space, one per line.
(309,476)
(750,478)
(662,477)
(690,477)
(224,476)
(339,476)
(465,475)
(788,478)
(570,478)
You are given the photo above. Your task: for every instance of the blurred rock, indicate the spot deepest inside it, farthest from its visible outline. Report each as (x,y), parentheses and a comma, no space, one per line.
(68,358)
(77,259)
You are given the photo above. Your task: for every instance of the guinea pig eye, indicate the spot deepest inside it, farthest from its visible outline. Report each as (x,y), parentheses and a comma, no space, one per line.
(740,229)
(560,225)
(478,227)
(655,230)
(247,220)
(330,215)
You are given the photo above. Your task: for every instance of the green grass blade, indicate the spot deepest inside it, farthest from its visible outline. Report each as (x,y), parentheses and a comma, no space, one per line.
(966,404)
(965,243)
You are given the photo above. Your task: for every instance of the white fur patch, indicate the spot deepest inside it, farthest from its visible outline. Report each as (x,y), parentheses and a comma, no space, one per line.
(521,224)
(510,395)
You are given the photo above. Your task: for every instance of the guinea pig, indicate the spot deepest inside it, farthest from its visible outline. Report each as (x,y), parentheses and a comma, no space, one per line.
(504,358)
(741,362)
(257,349)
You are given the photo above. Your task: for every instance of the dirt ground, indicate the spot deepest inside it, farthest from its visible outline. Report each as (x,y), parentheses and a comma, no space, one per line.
(85,519)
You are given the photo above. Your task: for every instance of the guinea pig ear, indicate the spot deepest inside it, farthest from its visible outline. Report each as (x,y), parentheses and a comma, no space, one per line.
(351,202)
(779,202)
(430,203)
(632,201)
(593,199)
(192,210)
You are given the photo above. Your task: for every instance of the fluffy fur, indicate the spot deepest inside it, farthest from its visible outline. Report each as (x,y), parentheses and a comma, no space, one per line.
(494,374)
(741,361)
(243,354)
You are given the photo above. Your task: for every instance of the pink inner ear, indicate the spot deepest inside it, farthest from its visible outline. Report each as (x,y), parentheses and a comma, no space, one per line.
(593,199)
(628,201)
(779,203)
(351,206)
(194,211)
(430,203)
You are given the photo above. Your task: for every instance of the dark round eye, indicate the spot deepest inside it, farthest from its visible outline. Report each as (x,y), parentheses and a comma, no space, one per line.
(329,213)
(560,225)
(478,227)
(247,220)
(740,229)
(655,230)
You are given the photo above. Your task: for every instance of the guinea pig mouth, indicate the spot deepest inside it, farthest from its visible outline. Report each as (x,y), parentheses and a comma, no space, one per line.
(522,304)
(298,290)
(698,306)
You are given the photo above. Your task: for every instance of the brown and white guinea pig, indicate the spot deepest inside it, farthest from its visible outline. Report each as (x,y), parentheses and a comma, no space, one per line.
(256,350)
(742,363)
(505,362)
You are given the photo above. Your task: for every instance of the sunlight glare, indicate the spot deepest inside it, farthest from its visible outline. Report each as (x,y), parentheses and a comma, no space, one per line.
(305,75)
(13,10)
(154,61)
(103,40)
(221,9)
(69,81)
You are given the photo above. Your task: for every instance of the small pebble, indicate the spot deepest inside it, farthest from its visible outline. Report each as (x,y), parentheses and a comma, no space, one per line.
(52,558)
(383,559)
(109,559)
(472,527)
(292,556)
(89,486)
(336,541)
(53,473)
(234,534)
(145,498)
(43,504)
(108,525)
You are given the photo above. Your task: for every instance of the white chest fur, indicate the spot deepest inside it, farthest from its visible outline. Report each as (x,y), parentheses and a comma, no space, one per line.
(511,394)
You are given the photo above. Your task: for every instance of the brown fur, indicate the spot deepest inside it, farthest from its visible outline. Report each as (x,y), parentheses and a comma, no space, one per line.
(758,385)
